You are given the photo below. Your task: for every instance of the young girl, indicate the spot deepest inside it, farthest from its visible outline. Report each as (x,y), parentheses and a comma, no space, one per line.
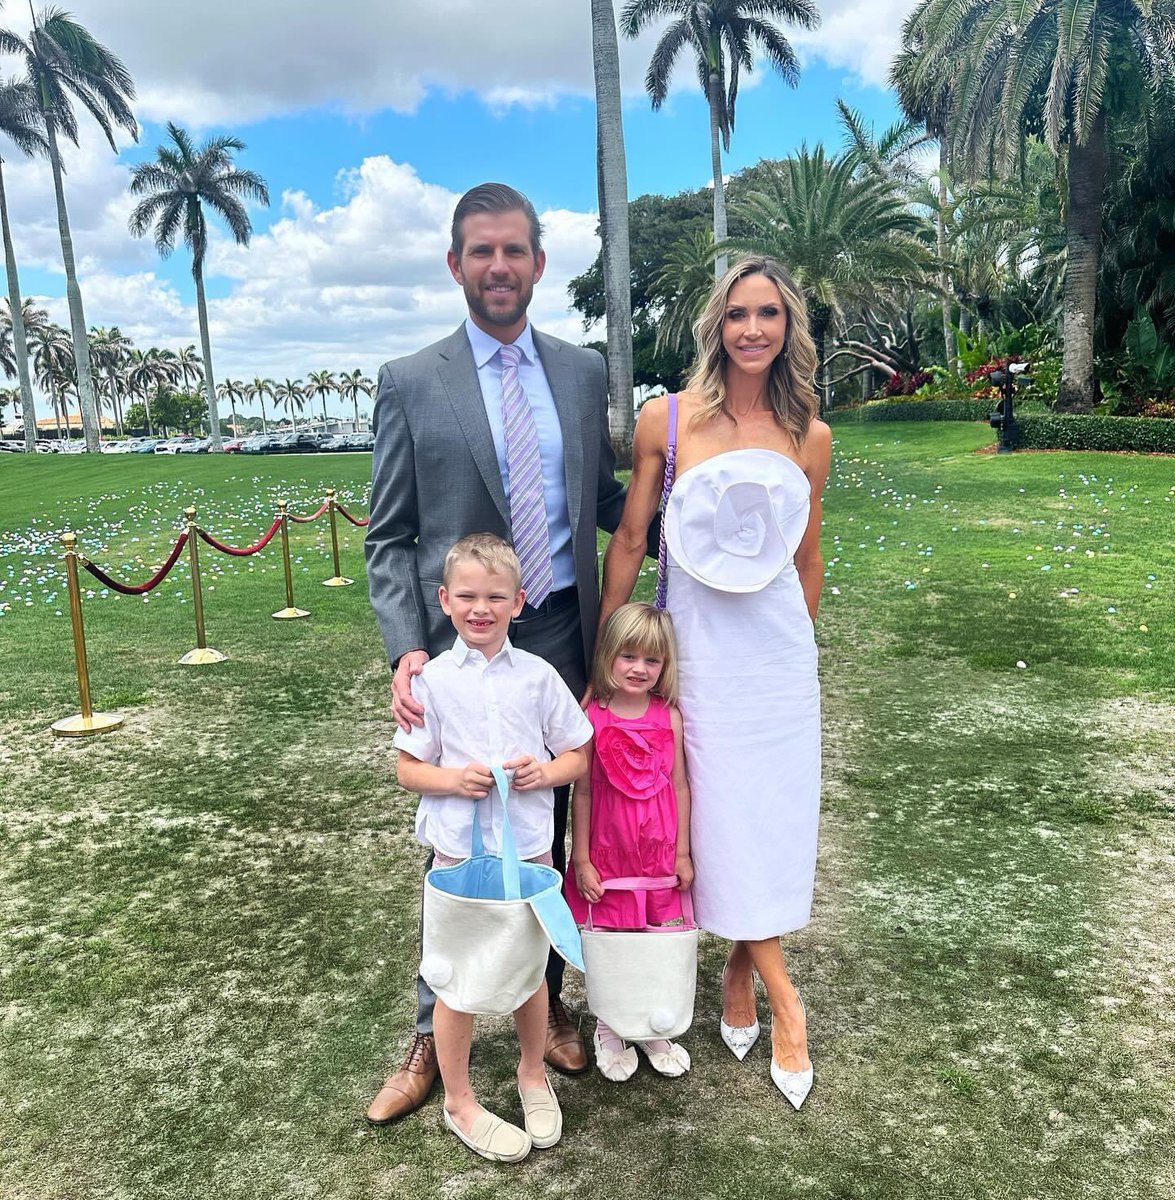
(637,821)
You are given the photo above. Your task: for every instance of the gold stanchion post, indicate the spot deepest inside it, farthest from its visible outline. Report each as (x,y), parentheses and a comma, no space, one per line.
(290,612)
(338,579)
(203,653)
(87,722)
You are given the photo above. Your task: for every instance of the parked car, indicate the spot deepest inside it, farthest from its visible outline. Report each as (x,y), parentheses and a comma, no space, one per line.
(294,443)
(257,444)
(12,447)
(172,444)
(73,446)
(199,446)
(46,447)
(232,446)
(146,446)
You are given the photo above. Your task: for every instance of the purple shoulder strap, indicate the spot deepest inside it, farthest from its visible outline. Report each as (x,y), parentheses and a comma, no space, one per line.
(666,488)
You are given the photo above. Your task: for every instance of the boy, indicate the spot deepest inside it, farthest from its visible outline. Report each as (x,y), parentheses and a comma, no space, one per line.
(486,702)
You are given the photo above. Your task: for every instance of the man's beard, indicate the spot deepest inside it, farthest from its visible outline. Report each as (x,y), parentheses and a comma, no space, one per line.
(508,316)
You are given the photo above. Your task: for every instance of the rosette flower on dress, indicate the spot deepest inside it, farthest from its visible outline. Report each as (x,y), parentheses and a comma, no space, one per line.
(734,525)
(632,756)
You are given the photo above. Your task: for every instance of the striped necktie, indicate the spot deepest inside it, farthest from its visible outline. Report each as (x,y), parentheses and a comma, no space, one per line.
(528,515)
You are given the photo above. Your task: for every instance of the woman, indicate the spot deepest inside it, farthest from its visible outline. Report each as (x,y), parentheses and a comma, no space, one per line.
(742,527)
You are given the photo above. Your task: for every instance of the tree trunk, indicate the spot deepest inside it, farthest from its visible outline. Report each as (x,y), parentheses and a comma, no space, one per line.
(944,279)
(612,183)
(1083,230)
(715,98)
(964,321)
(819,317)
(264,425)
(20,345)
(206,350)
(77,318)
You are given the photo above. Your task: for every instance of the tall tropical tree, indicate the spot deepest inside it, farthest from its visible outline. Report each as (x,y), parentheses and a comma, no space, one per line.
(258,390)
(847,235)
(52,353)
(190,366)
(722,35)
(21,124)
(290,395)
(683,285)
(109,351)
(231,390)
(148,373)
(321,383)
(176,187)
(926,95)
(64,62)
(351,383)
(612,184)
(1049,64)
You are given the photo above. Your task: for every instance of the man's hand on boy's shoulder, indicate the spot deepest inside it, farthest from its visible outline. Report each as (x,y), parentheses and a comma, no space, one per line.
(407,710)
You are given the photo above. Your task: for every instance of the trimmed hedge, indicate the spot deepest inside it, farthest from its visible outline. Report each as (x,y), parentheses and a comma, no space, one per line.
(1145,435)
(914,410)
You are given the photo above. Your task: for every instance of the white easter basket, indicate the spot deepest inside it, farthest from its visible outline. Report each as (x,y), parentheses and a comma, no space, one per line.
(642,982)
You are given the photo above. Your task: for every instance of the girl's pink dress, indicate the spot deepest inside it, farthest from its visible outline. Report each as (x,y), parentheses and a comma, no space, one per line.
(634,815)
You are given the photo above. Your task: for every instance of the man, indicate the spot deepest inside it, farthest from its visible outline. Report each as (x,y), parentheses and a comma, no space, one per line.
(499,429)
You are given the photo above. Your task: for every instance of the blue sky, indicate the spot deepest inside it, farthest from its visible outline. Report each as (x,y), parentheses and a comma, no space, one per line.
(368,120)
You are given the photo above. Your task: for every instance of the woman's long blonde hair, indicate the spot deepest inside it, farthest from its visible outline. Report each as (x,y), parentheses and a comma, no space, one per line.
(791,389)
(639,629)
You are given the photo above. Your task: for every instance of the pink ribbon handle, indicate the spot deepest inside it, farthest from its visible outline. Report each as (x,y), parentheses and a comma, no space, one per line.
(642,885)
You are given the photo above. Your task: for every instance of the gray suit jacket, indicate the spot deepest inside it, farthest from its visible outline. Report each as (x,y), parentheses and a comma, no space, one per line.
(435,478)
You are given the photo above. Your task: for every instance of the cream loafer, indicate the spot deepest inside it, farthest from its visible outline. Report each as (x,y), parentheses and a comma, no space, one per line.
(492,1138)
(542,1115)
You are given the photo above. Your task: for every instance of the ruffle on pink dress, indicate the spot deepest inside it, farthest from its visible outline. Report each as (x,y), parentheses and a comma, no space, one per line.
(634,815)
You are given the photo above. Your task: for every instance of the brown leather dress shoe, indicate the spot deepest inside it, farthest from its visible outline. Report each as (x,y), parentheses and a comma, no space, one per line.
(409,1087)
(565,1049)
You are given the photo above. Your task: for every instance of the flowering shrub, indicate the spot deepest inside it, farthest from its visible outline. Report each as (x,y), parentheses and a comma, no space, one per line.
(902,384)
(996,364)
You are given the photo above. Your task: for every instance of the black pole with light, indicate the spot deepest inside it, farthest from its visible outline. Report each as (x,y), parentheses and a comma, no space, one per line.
(1004,417)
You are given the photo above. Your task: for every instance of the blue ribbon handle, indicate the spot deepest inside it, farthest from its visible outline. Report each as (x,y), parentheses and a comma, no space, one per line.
(510,882)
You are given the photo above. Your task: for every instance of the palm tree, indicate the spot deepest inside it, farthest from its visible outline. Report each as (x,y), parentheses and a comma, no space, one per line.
(53,362)
(258,390)
(109,349)
(291,396)
(231,390)
(63,59)
(612,183)
(176,186)
(148,372)
(1049,64)
(722,35)
(350,385)
(189,366)
(926,96)
(683,285)
(20,122)
(847,235)
(322,383)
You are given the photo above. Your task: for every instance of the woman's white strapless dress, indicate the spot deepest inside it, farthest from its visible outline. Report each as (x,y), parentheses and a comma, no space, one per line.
(750,696)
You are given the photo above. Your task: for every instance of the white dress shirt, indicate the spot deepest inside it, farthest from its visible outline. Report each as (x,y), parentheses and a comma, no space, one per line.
(546,418)
(490,712)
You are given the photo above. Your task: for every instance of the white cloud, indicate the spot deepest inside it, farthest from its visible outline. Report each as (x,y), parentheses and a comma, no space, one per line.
(342,287)
(862,37)
(245,60)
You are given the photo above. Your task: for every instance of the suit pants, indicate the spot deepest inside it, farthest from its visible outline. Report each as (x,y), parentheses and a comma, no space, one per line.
(558,638)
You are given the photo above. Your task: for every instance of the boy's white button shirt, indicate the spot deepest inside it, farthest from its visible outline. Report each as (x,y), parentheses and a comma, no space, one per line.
(491,712)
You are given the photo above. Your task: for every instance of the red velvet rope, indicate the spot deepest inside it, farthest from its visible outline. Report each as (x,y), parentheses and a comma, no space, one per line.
(312,517)
(354,520)
(137,589)
(241,551)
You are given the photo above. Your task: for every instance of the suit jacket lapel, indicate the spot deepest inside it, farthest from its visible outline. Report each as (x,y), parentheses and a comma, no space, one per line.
(564,384)
(458,374)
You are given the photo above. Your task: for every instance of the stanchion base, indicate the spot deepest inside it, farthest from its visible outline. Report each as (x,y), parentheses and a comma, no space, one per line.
(83,726)
(337,581)
(202,655)
(289,614)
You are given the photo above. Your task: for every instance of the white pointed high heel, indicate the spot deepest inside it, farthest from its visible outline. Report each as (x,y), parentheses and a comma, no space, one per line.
(795,1085)
(738,1038)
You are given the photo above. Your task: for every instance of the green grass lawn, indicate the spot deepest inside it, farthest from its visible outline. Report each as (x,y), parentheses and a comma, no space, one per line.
(210,916)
